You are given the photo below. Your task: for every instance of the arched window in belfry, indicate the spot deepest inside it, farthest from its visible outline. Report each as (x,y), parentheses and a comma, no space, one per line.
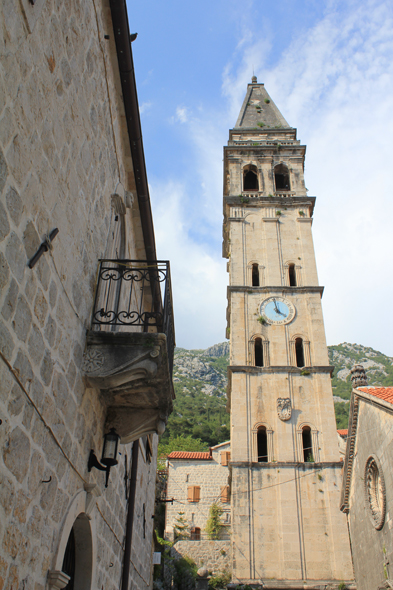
(292,275)
(258,352)
(255,275)
(262,445)
(281,178)
(299,351)
(250,178)
(307,444)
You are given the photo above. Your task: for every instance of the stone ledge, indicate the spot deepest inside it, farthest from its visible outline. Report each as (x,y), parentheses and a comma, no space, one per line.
(280,369)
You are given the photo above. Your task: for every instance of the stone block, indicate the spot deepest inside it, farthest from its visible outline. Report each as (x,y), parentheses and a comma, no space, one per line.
(6,341)
(16,455)
(16,401)
(48,491)
(22,319)
(52,294)
(50,330)
(46,368)
(4,271)
(4,223)
(3,171)
(36,345)
(15,256)
(23,367)
(40,308)
(36,472)
(6,127)
(14,205)
(21,505)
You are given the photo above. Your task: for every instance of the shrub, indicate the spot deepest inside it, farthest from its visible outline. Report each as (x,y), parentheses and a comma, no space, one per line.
(262,320)
(214,524)
(220,580)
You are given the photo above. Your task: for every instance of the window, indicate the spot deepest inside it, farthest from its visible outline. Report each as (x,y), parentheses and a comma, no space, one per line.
(69,561)
(225,494)
(281,177)
(193,493)
(307,444)
(258,352)
(250,178)
(195,534)
(262,445)
(225,457)
(292,275)
(299,352)
(255,275)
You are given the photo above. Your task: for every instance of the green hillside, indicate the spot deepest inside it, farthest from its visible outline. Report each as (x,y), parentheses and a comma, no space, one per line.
(200,379)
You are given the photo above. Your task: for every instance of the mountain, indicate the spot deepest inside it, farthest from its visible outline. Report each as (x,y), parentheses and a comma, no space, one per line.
(200,379)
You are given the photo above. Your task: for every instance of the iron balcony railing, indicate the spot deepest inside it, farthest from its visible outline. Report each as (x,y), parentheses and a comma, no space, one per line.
(135,296)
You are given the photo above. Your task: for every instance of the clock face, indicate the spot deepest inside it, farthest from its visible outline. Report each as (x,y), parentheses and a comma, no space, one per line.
(277,310)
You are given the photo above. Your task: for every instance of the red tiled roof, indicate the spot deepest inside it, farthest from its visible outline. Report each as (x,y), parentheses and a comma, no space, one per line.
(385,393)
(343,432)
(188,455)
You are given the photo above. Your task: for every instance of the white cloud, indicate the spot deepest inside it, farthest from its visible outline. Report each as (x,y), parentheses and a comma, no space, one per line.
(145,106)
(335,84)
(198,277)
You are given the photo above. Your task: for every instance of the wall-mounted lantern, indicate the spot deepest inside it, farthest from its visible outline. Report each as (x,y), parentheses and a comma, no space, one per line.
(109,454)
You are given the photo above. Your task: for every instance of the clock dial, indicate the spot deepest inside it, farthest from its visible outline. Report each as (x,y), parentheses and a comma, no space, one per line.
(277,310)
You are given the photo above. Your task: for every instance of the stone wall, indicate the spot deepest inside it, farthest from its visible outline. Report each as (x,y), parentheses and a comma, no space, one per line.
(372,549)
(210,476)
(214,555)
(63,153)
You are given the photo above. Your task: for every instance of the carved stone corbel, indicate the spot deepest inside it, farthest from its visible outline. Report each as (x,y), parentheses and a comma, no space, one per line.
(92,493)
(57,580)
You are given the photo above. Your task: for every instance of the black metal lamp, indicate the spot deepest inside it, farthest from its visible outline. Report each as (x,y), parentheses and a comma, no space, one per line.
(109,454)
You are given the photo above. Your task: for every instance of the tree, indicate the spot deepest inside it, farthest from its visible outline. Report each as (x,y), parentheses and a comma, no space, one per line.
(214,524)
(178,443)
(181,527)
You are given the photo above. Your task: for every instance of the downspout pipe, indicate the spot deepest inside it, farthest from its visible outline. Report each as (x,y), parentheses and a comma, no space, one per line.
(130,516)
(130,98)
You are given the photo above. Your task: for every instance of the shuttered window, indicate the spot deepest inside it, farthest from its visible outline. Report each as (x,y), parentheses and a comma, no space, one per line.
(225,457)
(193,493)
(225,494)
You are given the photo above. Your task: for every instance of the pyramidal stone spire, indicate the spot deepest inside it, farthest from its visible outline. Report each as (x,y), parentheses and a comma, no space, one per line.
(258,109)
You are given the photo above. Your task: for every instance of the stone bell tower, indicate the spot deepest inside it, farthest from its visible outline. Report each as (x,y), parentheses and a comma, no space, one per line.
(287,528)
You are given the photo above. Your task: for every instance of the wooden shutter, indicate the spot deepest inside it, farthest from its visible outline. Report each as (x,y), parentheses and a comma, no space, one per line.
(193,493)
(225,457)
(225,494)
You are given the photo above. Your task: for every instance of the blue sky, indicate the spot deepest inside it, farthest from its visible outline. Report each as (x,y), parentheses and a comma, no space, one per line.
(329,68)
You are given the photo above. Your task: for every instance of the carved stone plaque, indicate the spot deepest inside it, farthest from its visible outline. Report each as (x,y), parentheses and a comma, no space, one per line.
(284,408)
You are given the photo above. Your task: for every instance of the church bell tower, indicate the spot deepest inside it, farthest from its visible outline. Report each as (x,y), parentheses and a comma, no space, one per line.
(287,528)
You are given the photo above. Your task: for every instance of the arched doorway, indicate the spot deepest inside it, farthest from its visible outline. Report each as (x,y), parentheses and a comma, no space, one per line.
(78,555)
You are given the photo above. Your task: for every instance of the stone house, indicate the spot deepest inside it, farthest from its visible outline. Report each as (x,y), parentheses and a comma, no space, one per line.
(196,480)
(84,347)
(367,491)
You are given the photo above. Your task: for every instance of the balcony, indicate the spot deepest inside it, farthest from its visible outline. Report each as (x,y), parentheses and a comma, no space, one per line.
(130,346)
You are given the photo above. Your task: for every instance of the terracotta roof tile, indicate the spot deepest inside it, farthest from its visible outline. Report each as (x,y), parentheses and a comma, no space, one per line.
(385,393)
(343,432)
(188,455)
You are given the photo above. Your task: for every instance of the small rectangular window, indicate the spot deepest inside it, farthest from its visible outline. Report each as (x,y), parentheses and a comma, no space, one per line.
(225,457)
(225,494)
(193,493)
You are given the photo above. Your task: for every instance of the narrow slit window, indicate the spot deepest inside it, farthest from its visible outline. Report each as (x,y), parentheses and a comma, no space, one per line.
(250,181)
(292,275)
(307,445)
(195,534)
(262,445)
(255,275)
(299,352)
(281,177)
(258,352)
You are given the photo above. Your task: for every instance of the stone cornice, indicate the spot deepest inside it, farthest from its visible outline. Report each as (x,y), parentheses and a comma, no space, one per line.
(289,464)
(279,369)
(271,289)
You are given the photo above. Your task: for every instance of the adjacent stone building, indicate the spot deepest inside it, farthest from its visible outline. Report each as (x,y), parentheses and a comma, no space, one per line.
(367,491)
(84,347)
(287,529)
(196,480)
